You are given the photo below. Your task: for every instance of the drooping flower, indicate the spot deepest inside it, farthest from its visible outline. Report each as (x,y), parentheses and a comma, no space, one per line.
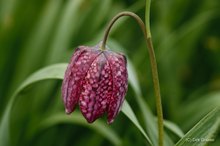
(97,80)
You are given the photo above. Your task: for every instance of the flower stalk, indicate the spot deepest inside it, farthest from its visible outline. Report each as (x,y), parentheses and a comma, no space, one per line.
(147,36)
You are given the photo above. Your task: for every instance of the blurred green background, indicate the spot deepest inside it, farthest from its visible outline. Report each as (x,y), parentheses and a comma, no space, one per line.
(37,33)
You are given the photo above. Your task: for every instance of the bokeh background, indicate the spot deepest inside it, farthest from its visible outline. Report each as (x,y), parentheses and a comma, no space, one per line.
(38,33)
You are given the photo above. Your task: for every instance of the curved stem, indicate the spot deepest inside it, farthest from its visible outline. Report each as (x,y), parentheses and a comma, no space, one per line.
(153,63)
(114,19)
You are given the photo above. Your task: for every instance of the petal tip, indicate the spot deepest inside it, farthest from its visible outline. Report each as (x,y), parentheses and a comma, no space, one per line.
(90,120)
(67,111)
(110,121)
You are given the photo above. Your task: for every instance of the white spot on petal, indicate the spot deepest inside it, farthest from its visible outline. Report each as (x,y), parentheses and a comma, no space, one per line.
(83,103)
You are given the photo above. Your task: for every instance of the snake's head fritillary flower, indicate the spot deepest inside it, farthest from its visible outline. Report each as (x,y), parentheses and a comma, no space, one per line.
(97,80)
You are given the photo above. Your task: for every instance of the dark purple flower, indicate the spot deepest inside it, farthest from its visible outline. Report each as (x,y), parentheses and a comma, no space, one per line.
(97,80)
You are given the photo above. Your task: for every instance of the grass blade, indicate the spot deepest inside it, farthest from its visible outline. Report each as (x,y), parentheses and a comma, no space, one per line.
(203,131)
(126,109)
(77,119)
(65,29)
(208,102)
(51,72)
(173,128)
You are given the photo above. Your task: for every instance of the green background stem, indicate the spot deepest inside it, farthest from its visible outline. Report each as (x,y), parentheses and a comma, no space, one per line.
(153,62)
(147,18)
(156,90)
(154,73)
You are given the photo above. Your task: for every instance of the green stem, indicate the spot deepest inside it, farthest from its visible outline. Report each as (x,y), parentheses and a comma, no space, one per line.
(114,19)
(147,36)
(154,73)
(156,90)
(147,18)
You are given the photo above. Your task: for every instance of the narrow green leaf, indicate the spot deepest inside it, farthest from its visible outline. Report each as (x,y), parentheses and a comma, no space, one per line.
(208,102)
(126,109)
(66,27)
(77,119)
(173,128)
(96,21)
(34,47)
(51,72)
(176,37)
(203,131)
